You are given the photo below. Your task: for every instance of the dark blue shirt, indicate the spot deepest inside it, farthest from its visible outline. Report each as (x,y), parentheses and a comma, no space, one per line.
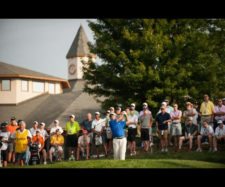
(160,118)
(87,125)
(117,128)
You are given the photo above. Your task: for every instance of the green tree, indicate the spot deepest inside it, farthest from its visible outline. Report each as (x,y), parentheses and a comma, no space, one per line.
(150,59)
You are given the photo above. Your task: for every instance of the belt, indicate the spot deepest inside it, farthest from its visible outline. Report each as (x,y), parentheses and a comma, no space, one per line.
(206,115)
(119,137)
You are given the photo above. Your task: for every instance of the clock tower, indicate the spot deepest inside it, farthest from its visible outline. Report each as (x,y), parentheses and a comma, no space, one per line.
(78,52)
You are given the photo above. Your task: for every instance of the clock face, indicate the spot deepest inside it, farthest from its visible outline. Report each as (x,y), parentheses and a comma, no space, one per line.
(72,69)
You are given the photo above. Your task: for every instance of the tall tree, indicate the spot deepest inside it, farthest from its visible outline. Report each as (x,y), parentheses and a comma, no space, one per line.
(150,59)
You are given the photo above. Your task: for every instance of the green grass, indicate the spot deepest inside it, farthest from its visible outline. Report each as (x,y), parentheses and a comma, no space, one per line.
(148,160)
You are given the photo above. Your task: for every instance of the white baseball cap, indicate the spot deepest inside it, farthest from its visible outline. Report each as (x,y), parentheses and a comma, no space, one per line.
(97,113)
(132,104)
(42,123)
(219,122)
(73,116)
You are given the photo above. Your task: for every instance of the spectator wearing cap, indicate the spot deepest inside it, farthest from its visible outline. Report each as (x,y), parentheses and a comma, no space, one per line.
(132,109)
(190,112)
(190,132)
(38,139)
(83,145)
(34,128)
(99,135)
(162,120)
(4,140)
(219,134)
(11,147)
(145,109)
(112,109)
(207,110)
(22,137)
(57,142)
(169,108)
(119,138)
(176,130)
(45,136)
(223,101)
(55,127)
(72,129)
(132,121)
(219,113)
(206,135)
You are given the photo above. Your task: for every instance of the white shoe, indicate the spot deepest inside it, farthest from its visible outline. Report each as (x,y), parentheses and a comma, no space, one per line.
(131,154)
(162,150)
(166,150)
(205,143)
(215,150)
(45,163)
(151,144)
(199,150)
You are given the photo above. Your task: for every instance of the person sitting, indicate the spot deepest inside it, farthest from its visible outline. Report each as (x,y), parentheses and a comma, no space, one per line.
(206,134)
(191,131)
(38,139)
(219,135)
(57,141)
(83,144)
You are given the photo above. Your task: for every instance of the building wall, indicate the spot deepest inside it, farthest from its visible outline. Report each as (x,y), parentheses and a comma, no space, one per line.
(16,95)
(9,97)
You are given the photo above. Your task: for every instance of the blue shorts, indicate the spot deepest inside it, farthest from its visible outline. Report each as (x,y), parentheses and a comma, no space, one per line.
(21,156)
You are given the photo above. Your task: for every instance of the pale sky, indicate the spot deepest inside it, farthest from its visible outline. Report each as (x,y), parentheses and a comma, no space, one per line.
(39,44)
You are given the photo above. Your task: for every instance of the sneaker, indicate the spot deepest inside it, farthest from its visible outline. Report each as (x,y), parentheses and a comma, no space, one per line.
(205,143)
(134,153)
(131,154)
(151,144)
(215,150)
(166,150)
(162,150)
(45,163)
(198,150)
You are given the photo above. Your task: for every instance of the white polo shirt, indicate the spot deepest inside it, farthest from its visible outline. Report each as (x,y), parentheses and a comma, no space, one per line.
(206,131)
(5,136)
(220,131)
(97,125)
(133,119)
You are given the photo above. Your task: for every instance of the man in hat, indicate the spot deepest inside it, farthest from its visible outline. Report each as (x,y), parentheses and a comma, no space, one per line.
(38,139)
(55,127)
(34,128)
(4,140)
(119,138)
(219,134)
(207,110)
(99,135)
(219,113)
(162,120)
(11,147)
(83,145)
(57,141)
(72,129)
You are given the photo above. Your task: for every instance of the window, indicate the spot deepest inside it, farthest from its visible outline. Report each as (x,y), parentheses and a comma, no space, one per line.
(6,85)
(24,85)
(51,88)
(38,86)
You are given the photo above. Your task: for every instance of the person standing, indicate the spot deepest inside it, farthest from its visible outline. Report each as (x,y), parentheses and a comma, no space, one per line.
(119,138)
(72,129)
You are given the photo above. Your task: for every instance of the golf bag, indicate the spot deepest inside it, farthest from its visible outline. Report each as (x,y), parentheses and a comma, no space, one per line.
(34,154)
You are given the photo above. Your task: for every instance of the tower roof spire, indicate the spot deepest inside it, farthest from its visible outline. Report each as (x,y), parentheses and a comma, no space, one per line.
(79,47)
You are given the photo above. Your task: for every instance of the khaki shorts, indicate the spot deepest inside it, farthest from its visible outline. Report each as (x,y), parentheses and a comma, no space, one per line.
(53,149)
(163,134)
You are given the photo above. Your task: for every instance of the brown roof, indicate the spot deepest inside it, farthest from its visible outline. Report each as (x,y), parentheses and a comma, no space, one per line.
(79,47)
(11,71)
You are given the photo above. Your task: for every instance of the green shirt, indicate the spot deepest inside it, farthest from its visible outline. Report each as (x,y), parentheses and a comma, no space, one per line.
(72,128)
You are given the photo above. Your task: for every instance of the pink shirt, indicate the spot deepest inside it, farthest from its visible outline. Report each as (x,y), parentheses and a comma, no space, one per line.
(219,109)
(176,114)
